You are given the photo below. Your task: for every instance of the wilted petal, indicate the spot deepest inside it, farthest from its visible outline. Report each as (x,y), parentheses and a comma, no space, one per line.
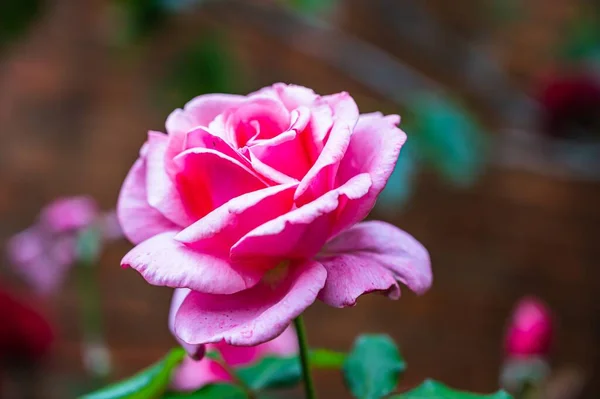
(372,256)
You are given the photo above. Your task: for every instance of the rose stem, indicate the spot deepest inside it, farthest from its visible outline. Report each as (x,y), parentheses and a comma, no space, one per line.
(309,386)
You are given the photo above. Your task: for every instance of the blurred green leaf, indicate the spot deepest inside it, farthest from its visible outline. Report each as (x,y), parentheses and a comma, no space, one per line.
(449,138)
(16,16)
(89,245)
(213,391)
(204,67)
(142,17)
(373,367)
(272,372)
(312,7)
(326,359)
(148,384)
(582,40)
(435,390)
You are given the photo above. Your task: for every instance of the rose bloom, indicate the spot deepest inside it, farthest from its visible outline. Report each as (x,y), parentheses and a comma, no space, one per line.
(530,329)
(44,253)
(194,374)
(253,203)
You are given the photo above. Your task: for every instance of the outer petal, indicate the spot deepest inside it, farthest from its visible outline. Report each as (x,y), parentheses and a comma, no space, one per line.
(224,226)
(161,189)
(320,178)
(372,256)
(302,232)
(253,316)
(163,261)
(208,179)
(138,219)
(373,149)
(194,351)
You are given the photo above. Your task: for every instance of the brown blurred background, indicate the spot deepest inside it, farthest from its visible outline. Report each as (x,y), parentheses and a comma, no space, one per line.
(74,112)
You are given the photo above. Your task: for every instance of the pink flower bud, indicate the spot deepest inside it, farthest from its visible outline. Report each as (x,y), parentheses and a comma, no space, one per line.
(530,329)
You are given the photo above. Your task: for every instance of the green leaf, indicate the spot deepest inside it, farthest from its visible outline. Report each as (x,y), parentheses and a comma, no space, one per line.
(213,391)
(449,138)
(272,372)
(89,245)
(312,8)
(326,359)
(148,384)
(16,16)
(436,390)
(373,367)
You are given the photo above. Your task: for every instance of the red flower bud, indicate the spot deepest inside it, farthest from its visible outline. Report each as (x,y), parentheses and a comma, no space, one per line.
(530,329)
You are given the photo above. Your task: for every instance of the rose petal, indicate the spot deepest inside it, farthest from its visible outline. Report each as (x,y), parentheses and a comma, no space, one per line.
(227,224)
(179,294)
(138,219)
(320,177)
(253,316)
(374,148)
(292,96)
(302,232)
(208,179)
(264,114)
(163,261)
(198,112)
(162,192)
(372,256)
(202,138)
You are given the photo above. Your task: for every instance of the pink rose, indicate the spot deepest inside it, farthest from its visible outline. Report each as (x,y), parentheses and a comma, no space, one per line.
(252,203)
(530,329)
(67,214)
(192,374)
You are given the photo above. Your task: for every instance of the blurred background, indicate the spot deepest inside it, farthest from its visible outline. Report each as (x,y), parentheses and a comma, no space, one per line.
(500,179)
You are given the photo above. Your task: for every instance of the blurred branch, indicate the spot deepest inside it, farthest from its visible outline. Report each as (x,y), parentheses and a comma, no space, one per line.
(371,66)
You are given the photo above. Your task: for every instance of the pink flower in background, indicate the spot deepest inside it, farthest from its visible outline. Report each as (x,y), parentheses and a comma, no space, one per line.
(530,329)
(67,214)
(43,253)
(253,203)
(192,374)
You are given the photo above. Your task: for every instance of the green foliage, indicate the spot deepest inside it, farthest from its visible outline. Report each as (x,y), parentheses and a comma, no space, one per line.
(312,7)
(213,391)
(271,373)
(89,245)
(435,390)
(326,359)
(148,384)
(448,138)
(582,40)
(142,17)
(204,67)
(15,17)
(373,367)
